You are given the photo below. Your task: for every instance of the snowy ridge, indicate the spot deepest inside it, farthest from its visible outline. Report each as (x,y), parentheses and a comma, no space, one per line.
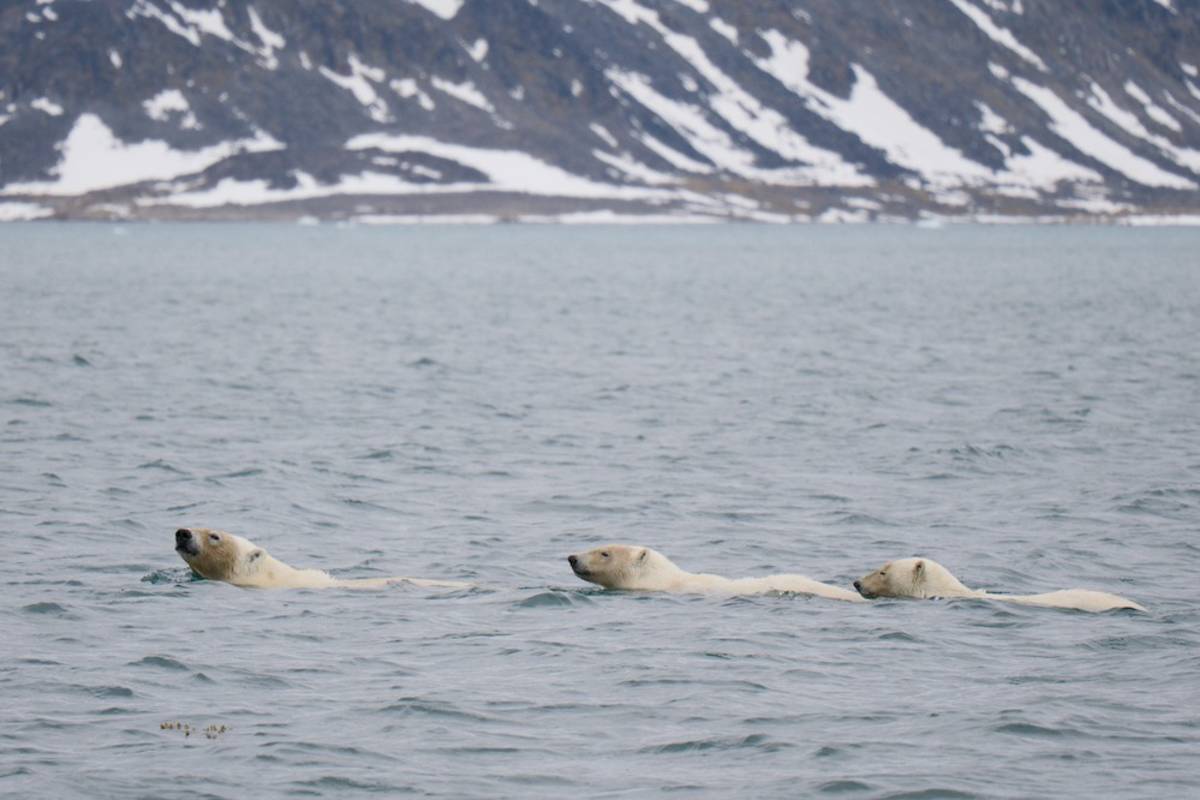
(597,110)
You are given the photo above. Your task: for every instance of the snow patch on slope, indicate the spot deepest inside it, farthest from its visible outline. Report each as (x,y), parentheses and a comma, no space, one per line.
(724,28)
(741,110)
(507,170)
(1155,112)
(22,212)
(688,120)
(47,106)
(1072,126)
(464,92)
(407,87)
(1101,101)
(93,158)
(478,51)
(358,83)
(446,9)
(872,116)
(171,101)
(673,156)
(1043,168)
(271,40)
(1002,36)
(627,165)
(603,133)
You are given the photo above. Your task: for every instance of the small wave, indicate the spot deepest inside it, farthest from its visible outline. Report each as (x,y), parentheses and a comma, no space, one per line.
(755,741)
(161,662)
(830,498)
(554,598)
(941,476)
(736,516)
(45,608)
(175,575)
(930,794)
(970,452)
(1029,729)
(30,402)
(158,463)
(432,708)
(842,787)
(244,473)
(855,518)
(336,785)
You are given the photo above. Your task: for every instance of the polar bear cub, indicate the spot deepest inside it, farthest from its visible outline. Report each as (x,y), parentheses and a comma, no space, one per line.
(222,556)
(624,566)
(924,577)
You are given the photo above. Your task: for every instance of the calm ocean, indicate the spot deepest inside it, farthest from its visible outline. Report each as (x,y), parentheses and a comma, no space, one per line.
(474,403)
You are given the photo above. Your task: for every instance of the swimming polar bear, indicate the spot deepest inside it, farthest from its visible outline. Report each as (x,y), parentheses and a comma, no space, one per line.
(924,577)
(222,556)
(623,566)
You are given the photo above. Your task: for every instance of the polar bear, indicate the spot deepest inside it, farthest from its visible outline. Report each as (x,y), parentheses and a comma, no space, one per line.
(924,577)
(624,566)
(223,556)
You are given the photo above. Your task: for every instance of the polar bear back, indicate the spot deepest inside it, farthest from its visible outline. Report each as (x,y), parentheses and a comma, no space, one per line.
(796,584)
(622,566)
(1080,599)
(924,577)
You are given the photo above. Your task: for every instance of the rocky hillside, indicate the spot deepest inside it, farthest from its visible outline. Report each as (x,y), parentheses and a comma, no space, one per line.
(391,110)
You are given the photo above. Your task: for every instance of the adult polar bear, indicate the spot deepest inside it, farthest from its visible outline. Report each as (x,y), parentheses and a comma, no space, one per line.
(222,556)
(623,566)
(924,577)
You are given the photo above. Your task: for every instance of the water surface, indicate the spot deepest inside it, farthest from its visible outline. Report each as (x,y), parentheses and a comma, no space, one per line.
(476,403)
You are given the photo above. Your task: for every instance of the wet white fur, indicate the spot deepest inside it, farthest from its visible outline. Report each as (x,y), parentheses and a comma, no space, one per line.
(923,577)
(641,568)
(246,564)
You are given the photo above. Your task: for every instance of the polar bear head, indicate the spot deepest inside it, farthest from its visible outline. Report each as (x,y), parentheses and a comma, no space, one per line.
(218,555)
(911,577)
(619,566)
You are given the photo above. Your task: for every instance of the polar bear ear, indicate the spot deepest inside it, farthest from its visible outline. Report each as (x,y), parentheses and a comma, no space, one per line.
(642,555)
(256,554)
(919,568)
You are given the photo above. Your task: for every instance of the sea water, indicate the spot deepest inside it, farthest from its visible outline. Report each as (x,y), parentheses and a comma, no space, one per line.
(475,403)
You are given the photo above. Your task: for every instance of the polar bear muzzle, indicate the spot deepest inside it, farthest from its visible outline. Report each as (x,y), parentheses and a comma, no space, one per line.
(577,567)
(185,543)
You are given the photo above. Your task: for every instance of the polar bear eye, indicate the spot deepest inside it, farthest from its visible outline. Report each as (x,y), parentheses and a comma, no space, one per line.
(212,537)
(604,554)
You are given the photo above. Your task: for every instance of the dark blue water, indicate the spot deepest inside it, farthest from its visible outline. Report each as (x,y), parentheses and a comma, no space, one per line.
(1022,404)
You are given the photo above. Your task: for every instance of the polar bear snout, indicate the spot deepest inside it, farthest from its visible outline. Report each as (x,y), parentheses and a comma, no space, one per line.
(868,586)
(185,542)
(573,560)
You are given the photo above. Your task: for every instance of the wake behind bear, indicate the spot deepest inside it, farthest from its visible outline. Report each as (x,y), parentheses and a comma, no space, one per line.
(222,556)
(623,566)
(924,577)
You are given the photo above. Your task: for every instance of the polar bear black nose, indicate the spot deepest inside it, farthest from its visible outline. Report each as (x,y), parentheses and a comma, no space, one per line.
(858,586)
(182,536)
(572,560)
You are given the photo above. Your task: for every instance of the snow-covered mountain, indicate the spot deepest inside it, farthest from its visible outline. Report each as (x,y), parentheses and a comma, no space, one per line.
(597,109)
